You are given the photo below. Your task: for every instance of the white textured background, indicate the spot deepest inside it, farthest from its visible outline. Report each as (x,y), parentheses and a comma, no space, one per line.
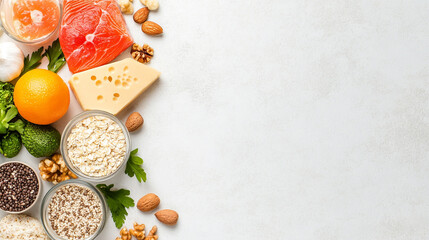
(285,119)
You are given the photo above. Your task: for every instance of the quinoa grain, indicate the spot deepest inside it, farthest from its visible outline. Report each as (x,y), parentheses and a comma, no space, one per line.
(75,212)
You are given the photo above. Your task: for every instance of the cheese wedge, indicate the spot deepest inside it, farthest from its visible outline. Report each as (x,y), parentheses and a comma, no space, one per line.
(113,86)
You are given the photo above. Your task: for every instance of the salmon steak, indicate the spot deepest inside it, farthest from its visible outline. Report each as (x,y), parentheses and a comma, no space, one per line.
(92,33)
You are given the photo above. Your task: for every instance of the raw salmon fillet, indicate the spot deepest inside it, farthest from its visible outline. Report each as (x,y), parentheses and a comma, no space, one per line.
(93,33)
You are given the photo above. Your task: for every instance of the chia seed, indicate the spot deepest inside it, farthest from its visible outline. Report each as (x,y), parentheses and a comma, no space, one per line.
(19,187)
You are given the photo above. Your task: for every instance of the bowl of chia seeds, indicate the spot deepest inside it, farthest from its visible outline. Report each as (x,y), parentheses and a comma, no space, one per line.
(20,187)
(73,209)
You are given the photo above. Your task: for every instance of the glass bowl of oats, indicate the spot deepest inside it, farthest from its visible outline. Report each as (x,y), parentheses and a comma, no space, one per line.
(73,209)
(95,145)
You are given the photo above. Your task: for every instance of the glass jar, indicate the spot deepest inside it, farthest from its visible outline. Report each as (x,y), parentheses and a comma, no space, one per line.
(66,134)
(32,23)
(38,193)
(47,200)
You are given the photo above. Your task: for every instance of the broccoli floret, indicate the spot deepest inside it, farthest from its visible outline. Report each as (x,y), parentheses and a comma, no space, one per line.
(6,115)
(18,126)
(7,110)
(11,144)
(41,141)
(6,94)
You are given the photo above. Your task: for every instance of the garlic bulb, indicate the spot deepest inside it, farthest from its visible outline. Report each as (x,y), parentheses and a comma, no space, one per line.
(11,61)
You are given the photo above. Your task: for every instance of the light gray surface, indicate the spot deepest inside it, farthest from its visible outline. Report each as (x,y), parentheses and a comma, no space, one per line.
(285,120)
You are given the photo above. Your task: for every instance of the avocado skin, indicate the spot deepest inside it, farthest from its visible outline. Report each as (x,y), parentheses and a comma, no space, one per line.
(41,140)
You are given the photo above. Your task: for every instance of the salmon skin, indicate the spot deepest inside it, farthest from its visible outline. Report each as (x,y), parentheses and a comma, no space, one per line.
(92,33)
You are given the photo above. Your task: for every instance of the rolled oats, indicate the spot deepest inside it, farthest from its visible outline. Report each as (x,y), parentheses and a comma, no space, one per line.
(97,146)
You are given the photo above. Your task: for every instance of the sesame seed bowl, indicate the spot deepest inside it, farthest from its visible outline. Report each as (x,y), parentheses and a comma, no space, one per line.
(95,145)
(73,209)
(20,187)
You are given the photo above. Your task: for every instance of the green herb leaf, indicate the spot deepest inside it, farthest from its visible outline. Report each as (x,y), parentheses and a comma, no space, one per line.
(118,202)
(134,152)
(56,56)
(32,62)
(134,166)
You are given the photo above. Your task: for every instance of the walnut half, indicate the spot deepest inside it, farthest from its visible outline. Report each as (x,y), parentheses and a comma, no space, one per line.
(152,234)
(126,6)
(125,234)
(55,170)
(138,232)
(142,54)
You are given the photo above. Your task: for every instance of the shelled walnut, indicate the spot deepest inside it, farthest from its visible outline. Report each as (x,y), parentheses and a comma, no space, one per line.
(55,170)
(151,4)
(125,234)
(126,6)
(152,234)
(138,232)
(142,54)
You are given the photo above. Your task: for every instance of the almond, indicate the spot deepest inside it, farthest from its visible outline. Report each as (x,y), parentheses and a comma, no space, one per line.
(151,28)
(134,121)
(141,15)
(148,202)
(167,216)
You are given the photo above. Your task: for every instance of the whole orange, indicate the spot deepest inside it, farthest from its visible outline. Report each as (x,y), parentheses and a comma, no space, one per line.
(41,96)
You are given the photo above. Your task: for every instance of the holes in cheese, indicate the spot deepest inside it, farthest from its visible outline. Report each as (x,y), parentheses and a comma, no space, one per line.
(115,96)
(115,85)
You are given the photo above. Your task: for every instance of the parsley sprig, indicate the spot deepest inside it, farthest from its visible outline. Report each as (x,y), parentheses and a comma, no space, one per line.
(118,202)
(54,53)
(55,56)
(134,166)
(33,61)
